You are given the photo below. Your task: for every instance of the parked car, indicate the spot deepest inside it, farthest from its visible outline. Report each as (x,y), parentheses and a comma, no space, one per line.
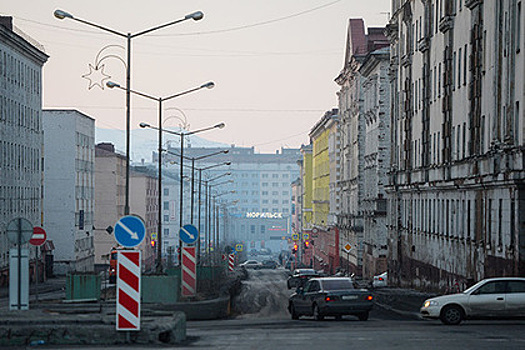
(380,280)
(250,264)
(300,277)
(269,264)
(491,298)
(330,296)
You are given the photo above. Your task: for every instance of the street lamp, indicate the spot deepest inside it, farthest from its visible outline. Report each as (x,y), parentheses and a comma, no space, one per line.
(217,216)
(160,100)
(61,14)
(181,134)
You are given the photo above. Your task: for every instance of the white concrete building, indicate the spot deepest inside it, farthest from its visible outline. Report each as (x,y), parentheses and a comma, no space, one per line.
(69,188)
(456,186)
(21,61)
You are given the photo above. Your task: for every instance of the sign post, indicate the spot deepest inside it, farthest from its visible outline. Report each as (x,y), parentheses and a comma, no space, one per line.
(37,239)
(19,232)
(189,234)
(129,232)
(128,290)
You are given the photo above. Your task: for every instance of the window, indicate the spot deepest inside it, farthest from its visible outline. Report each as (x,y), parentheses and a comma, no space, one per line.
(454,70)
(515,287)
(166,191)
(275,176)
(465,67)
(166,205)
(459,68)
(264,176)
(264,193)
(518,28)
(166,218)
(491,288)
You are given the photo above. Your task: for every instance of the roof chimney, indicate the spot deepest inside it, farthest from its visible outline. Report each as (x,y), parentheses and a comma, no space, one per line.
(7,22)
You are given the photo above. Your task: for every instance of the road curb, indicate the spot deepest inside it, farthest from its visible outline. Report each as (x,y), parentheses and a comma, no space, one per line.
(410,314)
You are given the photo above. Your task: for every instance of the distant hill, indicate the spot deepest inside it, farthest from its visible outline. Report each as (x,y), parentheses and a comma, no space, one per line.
(144,141)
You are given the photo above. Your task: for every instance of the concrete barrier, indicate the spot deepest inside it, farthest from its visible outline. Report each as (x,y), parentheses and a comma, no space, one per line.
(32,327)
(198,310)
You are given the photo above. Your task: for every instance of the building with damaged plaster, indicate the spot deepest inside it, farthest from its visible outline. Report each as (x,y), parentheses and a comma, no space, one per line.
(363,102)
(457,195)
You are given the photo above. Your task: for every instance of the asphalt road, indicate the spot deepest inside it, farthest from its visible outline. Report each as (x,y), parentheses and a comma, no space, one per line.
(264,323)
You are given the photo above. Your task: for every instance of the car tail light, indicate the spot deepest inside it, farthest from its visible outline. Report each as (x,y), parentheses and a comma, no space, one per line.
(331,298)
(380,278)
(369,297)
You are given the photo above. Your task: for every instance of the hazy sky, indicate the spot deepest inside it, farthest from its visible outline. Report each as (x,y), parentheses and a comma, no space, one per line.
(273,61)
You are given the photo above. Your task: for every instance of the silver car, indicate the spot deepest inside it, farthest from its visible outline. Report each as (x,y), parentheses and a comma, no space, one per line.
(491,298)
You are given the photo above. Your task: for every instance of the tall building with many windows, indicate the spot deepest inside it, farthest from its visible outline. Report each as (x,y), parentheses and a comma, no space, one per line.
(259,211)
(456,189)
(69,188)
(21,62)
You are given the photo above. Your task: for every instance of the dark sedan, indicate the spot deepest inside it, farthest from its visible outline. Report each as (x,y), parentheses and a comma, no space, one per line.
(300,277)
(330,296)
(269,264)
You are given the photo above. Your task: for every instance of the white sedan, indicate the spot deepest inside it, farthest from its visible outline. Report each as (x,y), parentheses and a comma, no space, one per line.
(251,264)
(491,298)
(380,280)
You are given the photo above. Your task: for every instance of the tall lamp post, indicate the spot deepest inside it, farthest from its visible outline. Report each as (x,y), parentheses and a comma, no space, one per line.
(181,134)
(217,218)
(199,195)
(196,16)
(160,100)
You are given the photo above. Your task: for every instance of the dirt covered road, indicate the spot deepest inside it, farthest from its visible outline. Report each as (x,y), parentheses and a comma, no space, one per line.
(263,295)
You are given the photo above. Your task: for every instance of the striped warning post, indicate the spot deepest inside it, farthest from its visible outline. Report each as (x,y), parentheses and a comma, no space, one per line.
(128,291)
(189,272)
(231,262)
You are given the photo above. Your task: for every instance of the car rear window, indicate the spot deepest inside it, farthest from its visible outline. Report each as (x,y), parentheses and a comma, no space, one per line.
(337,284)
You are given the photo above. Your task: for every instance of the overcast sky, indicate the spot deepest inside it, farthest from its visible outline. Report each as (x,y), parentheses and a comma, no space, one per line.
(273,61)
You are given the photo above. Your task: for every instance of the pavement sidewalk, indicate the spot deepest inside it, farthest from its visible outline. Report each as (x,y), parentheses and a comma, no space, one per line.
(50,285)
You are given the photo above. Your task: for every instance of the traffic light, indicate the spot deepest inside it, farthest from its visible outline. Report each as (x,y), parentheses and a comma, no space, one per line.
(306,244)
(294,249)
(152,243)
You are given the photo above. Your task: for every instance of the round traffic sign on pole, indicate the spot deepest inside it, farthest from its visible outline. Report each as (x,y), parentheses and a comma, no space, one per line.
(188,234)
(19,231)
(39,236)
(130,231)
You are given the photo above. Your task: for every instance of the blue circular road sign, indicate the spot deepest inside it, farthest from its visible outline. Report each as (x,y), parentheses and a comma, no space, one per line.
(188,234)
(130,231)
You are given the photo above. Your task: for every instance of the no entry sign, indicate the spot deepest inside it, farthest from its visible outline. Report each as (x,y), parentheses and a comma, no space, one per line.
(39,236)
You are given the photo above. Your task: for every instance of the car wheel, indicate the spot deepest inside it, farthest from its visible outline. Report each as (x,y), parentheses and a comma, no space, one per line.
(295,315)
(451,315)
(363,316)
(317,313)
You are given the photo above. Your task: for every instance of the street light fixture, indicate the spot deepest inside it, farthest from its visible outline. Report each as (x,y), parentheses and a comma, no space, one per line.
(160,100)
(181,163)
(61,15)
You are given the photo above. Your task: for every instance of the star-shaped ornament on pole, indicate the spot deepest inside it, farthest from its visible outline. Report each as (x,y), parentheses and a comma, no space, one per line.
(96,76)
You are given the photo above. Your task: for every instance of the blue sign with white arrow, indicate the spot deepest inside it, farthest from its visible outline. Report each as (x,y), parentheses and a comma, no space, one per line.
(130,231)
(188,234)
